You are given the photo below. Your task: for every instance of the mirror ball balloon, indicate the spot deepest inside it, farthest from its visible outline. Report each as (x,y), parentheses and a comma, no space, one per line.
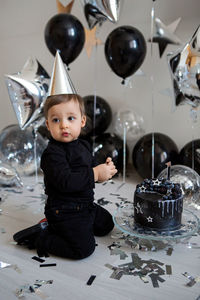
(165,150)
(109,145)
(9,176)
(190,155)
(17,149)
(189,181)
(103,115)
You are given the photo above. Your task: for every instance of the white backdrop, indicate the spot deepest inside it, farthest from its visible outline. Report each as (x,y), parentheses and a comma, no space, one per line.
(22,25)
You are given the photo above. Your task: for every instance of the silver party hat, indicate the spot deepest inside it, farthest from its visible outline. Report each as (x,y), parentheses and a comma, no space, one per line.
(60,81)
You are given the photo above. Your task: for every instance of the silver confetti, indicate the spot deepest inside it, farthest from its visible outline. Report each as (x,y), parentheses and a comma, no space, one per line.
(4,265)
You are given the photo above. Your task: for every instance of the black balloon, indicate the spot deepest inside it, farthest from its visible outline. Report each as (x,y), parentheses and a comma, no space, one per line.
(165,150)
(44,132)
(190,155)
(103,115)
(64,32)
(125,50)
(110,145)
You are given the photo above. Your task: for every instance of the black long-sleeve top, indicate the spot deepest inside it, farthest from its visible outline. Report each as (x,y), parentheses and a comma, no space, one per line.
(68,172)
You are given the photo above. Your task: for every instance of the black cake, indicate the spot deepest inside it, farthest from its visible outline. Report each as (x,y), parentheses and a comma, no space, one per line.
(158,205)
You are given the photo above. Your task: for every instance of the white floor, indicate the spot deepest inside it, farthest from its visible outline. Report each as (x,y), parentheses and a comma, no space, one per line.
(20,210)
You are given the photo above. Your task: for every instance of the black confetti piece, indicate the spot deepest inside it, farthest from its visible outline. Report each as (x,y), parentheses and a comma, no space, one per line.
(191,283)
(102,202)
(38,259)
(169,251)
(31,289)
(168,269)
(91,279)
(122,198)
(48,265)
(154,280)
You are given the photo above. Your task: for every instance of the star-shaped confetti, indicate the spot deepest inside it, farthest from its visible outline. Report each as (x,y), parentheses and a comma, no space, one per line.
(91,40)
(164,34)
(64,9)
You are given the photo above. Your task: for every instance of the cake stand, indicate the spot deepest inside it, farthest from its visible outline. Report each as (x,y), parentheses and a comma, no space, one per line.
(124,221)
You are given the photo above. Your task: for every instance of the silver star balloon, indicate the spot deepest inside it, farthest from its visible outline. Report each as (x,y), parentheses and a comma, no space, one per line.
(98,11)
(9,176)
(164,35)
(27,91)
(184,65)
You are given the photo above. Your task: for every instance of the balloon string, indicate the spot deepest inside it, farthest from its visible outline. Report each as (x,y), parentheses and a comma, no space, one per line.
(124,154)
(95,95)
(153,154)
(35,154)
(152,91)
(192,146)
(193,114)
(152,24)
(192,154)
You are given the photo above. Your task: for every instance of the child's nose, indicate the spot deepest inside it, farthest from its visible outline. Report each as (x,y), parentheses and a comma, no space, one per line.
(64,124)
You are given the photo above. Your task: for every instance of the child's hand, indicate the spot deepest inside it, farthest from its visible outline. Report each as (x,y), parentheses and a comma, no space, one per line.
(105,171)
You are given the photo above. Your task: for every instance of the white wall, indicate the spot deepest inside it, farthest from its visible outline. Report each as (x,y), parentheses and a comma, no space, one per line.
(22,24)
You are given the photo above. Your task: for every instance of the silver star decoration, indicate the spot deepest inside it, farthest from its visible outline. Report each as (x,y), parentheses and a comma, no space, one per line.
(28,91)
(156,181)
(184,65)
(164,34)
(142,189)
(150,219)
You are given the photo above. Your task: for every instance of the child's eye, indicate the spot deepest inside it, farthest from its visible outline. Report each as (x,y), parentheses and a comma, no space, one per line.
(71,118)
(55,120)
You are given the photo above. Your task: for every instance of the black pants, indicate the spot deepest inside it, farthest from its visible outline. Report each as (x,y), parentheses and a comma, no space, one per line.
(72,229)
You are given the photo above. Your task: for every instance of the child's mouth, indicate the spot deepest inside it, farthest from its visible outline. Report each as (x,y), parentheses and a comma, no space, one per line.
(65,134)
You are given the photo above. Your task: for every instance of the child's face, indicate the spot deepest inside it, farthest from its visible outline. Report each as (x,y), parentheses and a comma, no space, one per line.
(65,121)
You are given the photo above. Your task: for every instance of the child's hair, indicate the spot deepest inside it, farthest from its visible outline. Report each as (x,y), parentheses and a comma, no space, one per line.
(62,98)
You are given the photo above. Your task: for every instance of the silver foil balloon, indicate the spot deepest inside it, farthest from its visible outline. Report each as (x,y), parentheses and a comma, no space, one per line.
(98,11)
(131,121)
(27,91)
(93,16)
(184,65)
(189,180)
(17,149)
(9,176)
(164,35)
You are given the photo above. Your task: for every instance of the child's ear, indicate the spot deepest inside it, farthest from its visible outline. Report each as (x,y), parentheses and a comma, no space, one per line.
(83,121)
(47,124)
